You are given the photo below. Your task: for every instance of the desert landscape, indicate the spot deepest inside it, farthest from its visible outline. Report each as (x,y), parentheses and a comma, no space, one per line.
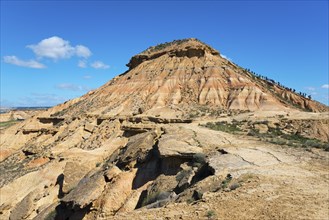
(184,133)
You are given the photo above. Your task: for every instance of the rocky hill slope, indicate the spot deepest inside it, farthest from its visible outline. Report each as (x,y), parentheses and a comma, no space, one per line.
(183,130)
(180,76)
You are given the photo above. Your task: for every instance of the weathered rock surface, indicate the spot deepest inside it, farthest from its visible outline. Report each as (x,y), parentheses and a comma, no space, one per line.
(73,173)
(24,208)
(117,192)
(224,163)
(87,191)
(138,148)
(178,143)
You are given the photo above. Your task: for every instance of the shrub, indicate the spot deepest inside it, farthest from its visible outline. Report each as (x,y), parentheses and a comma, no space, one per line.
(311,143)
(210,214)
(224,126)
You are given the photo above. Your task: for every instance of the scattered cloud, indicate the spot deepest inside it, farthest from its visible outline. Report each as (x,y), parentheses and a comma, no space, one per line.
(39,99)
(18,62)
(87,77)
(57,48)
(72,87)
(82,64)
(82,51)
(225,57)
(99,65)
(325,86)
(310,88)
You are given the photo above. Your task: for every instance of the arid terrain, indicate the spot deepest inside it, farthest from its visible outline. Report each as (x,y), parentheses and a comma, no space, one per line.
(183,134)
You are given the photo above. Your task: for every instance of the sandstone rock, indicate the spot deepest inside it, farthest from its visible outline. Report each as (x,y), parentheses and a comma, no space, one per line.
(4,153)
(87,191)
(73,173)
(262,128)
(116,193)
(174,148)
(223,163)
(132,201)
(48,212)
(89,127)
(111,173)
(138,148)
(161,184)
(38,162)
(24,208)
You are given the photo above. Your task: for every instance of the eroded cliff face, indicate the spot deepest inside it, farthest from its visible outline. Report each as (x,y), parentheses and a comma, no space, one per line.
(179,76)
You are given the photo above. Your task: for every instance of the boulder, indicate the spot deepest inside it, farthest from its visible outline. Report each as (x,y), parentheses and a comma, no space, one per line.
(138,148)
(169,147)
(262,128)
(116,193)
(73,173)
(89,127)
(87,191)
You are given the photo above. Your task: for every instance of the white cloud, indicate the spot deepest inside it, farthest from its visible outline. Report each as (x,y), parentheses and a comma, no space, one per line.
(99,65)
(325,86)
(72,87)
(82,51)
(82,64)
(58,48)
(53,47)
(18,62)
(87,77)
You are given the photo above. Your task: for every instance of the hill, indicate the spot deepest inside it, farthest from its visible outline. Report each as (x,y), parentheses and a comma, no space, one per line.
(184,131)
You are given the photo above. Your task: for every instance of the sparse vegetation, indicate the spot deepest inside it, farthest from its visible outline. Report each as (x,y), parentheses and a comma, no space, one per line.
(223,126)
(276,136)
(273,135)
(7,124)
(211,214)
(167,44)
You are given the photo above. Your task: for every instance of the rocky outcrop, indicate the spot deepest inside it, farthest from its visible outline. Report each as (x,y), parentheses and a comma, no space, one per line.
(180,48)
(138,148)
(73,173)
(88,190)
(53,120)
(178,143)
(24,208)
(182,77)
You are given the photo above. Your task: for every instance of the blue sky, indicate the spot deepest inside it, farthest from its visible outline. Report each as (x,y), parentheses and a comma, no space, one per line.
(52,51)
